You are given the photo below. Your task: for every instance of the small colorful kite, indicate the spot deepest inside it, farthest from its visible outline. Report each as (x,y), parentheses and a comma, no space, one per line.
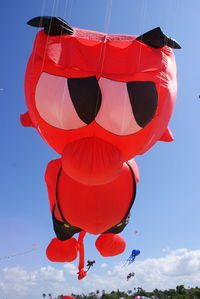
(133,255)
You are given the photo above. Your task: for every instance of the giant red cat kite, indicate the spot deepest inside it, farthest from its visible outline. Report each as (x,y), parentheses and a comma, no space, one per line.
(98,100)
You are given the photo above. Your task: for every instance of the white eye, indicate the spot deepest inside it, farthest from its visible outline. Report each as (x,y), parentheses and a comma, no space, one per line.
(116,114)
(54,104)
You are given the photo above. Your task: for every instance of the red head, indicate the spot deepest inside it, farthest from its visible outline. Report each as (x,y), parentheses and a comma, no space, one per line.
(99,99)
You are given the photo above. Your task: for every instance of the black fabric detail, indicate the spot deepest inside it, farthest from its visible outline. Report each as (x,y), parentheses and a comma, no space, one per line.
(52,25)
(144,100)
(157,39)
(134,190)
(86,97)
(118,228)
(64,230)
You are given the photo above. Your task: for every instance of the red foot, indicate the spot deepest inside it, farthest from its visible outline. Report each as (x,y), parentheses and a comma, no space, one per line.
(62,251)
(82,274)
(110,244)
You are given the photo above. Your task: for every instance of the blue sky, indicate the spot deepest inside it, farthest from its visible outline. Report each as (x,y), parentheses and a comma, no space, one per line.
(166,210)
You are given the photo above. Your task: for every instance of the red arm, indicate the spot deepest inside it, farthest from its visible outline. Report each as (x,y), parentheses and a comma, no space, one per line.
(26,120)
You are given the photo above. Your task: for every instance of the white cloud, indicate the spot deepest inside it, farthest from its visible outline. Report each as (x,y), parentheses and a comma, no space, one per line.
(71,268)
(51,274)
(176,267)
(17,282)
(104,265)
(167,249)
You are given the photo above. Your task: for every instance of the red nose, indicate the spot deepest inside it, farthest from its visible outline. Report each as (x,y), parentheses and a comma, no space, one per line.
(92,161)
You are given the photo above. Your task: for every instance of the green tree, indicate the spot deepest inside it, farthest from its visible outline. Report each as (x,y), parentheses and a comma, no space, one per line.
(180,289)
(111,296)
(92,295)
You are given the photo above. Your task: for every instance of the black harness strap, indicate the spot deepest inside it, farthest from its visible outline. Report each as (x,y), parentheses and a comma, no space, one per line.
(57,201)
(134,191)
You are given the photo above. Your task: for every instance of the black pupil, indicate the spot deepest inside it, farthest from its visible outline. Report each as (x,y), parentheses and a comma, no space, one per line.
(86,97)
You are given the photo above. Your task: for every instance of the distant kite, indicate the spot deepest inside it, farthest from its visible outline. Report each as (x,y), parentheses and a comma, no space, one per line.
(133,255)
(130,275)
(90,264)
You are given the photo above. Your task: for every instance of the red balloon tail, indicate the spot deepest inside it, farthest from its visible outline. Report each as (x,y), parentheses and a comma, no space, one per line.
(82,272)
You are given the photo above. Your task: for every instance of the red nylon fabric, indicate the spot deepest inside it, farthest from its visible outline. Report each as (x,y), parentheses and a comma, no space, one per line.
(91,181)
(82,273)
(121,60)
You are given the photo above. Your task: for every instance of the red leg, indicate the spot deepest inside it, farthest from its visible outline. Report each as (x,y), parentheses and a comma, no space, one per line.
(110,244)
(62,251)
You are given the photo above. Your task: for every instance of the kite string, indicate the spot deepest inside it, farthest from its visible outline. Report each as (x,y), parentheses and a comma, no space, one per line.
(19,253)
(168,9)
(46,44)
(166,18)
(143,21)
(103,44)
(67,17)
(36,45)
(35,48)
(124,107)
(107,16)
(106,29)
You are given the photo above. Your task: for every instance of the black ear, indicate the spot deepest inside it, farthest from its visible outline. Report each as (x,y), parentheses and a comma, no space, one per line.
(157,39)
(52,25)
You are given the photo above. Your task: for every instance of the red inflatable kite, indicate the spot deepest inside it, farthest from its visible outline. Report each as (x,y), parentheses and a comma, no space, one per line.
(98,100)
